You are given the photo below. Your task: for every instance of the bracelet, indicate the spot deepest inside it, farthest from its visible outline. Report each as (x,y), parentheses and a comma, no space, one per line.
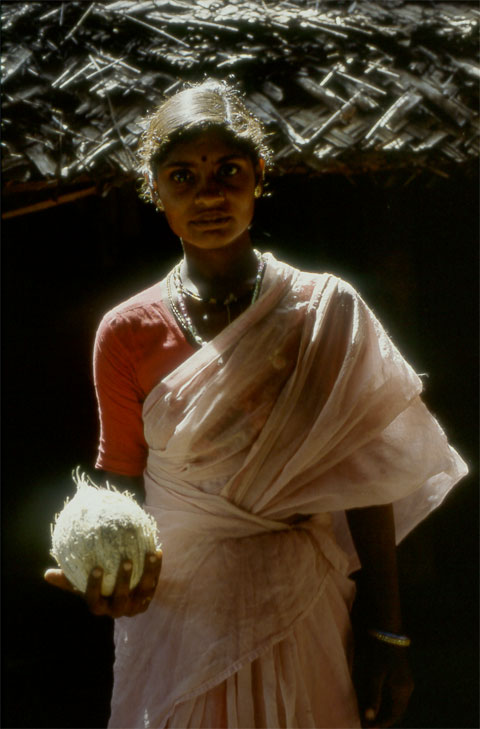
(402,641)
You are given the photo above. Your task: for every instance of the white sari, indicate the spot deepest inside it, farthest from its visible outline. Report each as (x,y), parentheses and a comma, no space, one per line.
(302,406)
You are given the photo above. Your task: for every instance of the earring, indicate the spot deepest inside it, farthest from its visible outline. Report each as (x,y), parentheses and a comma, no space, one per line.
(156,201)
(258,191)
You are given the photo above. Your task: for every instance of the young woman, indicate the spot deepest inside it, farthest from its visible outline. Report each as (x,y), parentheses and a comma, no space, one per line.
(281,441)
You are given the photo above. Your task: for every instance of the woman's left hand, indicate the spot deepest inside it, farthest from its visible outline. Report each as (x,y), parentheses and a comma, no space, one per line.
(383,681)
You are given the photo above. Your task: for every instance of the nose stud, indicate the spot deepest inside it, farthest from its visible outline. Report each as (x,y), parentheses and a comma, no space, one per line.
(210,195)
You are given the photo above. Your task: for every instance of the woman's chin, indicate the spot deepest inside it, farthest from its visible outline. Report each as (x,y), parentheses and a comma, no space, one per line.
(215,238)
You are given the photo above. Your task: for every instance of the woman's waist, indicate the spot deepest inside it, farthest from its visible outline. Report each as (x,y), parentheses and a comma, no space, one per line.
(181,506)
(193,515)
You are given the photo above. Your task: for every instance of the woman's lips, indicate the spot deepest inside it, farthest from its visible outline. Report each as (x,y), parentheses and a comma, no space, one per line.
(212,221)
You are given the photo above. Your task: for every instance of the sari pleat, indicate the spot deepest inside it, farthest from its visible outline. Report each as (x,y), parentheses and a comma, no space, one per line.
(286,686)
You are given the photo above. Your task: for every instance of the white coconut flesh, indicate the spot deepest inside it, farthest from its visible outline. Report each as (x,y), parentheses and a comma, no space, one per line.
(101,527)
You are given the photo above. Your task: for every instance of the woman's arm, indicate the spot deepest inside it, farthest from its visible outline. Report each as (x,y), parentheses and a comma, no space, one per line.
(373,533)
(381,672)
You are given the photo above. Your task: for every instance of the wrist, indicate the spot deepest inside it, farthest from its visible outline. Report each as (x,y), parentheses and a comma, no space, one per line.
(380,616)
(397,639)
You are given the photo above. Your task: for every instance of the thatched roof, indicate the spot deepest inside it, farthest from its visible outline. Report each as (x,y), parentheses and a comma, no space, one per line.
(346,85)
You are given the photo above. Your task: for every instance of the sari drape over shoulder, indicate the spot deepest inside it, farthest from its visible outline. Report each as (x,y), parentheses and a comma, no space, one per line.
(302,407)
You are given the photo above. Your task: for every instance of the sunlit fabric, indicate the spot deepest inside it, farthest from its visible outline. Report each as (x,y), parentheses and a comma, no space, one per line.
(302,407)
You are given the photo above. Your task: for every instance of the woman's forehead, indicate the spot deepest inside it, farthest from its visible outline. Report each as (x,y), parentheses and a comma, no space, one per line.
(204,146)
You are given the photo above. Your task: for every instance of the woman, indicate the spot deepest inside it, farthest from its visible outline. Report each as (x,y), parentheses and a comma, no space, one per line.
(264,409)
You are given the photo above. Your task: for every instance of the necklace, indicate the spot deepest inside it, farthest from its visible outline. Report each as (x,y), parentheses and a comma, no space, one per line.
(174,281)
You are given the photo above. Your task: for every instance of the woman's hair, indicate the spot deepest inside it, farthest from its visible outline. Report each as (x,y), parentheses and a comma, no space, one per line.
(196,108)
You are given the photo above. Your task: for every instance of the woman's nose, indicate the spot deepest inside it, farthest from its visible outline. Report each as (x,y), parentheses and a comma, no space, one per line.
(209,193)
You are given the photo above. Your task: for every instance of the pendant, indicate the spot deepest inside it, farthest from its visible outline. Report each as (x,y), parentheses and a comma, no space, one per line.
(231,299)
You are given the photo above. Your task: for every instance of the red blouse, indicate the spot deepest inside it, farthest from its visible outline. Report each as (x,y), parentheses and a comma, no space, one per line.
(137,344)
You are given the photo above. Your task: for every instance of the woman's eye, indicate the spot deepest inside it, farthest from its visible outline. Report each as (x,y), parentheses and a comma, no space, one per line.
(229,170)
(181,176)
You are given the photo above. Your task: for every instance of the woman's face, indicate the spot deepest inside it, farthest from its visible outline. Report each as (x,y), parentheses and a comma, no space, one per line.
(207,187)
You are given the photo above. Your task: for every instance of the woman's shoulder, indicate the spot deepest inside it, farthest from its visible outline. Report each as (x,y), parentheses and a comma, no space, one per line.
(320,281)
(144,311)
(311,278)
(315,288)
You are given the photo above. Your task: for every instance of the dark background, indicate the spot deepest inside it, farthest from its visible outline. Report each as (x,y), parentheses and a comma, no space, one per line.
(410,249)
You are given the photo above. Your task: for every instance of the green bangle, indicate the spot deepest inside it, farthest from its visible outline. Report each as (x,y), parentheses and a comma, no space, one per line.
(402,641)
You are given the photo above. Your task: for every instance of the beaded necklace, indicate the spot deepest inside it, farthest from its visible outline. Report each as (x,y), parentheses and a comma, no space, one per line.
(174,281)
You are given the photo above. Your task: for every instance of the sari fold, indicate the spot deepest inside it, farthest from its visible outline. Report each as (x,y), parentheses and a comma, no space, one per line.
(258,442)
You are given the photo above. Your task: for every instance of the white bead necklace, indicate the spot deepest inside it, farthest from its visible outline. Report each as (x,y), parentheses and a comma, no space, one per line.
(174,281)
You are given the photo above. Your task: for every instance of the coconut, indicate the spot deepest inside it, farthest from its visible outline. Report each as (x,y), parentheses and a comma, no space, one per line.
(101,527)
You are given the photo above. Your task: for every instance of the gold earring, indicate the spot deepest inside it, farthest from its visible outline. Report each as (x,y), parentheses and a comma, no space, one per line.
(156,198)
(258,191)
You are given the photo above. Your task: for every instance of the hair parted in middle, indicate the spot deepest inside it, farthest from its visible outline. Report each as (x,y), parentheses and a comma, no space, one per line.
(198,107)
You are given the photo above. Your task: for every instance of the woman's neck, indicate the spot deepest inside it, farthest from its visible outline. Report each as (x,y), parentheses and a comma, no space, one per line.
(218,272)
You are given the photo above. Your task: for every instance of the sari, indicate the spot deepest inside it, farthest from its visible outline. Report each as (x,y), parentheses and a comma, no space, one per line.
(300,409)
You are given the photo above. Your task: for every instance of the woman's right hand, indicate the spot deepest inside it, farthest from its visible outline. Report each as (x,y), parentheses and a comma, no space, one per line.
(123,601)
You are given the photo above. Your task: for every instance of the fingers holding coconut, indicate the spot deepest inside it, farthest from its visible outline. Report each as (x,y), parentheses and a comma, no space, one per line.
(151,570)
(129,602)
(97,603)
(115,605)
(121,596)
(122,601)
(145,590)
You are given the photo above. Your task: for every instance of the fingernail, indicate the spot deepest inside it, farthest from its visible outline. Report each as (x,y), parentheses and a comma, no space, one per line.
(97,572)
(153,558)
(127,566)
(370,714)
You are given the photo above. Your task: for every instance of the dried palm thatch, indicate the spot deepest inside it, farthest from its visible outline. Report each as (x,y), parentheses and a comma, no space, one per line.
(343,85)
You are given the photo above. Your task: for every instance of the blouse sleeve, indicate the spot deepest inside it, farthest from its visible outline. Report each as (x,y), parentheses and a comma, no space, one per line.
(122,447)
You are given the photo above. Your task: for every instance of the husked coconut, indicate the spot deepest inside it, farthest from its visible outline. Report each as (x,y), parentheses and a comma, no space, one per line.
(101,527)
